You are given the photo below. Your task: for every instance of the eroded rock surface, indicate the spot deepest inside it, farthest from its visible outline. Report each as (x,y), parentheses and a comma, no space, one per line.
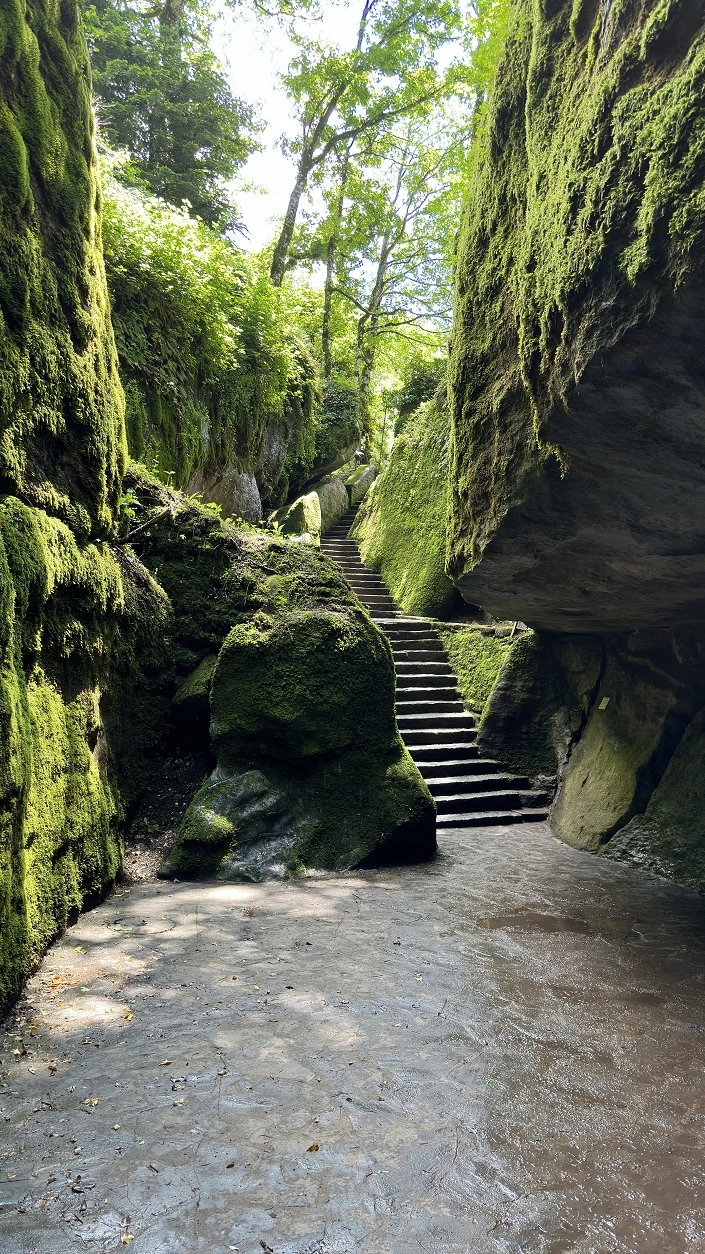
(615,541)
(577,487)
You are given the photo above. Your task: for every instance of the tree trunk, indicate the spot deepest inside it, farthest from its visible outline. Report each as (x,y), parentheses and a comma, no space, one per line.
(281,249)
(367,327)
(330,269)
(367,361)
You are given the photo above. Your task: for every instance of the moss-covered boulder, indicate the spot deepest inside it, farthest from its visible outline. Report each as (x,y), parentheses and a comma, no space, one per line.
(401,525)
(302,518)
(333,498)
(311,768)
(240,827)
(359,483)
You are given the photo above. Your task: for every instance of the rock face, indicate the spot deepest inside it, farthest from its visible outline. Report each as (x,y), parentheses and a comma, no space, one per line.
(63,445)
(614,538)
(540,702)
(577,385)
(235,491)
(401,527)
(669,837)
(576,378)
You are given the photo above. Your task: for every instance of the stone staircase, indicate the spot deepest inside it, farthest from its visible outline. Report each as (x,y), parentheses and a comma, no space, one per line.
(438,730)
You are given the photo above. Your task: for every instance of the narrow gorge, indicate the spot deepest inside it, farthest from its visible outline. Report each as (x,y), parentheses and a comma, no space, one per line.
(352,627)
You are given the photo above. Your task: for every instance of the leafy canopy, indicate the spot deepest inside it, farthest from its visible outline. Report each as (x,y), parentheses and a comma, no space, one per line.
(163,96)
(204,342)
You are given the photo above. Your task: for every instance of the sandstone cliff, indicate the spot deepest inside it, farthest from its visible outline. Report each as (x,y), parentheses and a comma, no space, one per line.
(578,408)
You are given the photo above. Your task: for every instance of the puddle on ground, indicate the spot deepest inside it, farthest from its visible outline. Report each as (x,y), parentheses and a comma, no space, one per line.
(533,921)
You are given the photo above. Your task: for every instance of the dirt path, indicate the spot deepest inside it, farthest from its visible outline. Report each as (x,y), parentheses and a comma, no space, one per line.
(502,1051)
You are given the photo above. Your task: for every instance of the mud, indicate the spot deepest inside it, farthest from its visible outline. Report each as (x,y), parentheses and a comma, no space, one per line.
(500,1051)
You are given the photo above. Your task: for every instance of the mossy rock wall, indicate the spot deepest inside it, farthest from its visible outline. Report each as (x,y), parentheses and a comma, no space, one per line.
(477,654)
(577,485)
(401,525)
(576,381)
(82,630)
(63,443)
(69,614)
(540,701)
(669,837)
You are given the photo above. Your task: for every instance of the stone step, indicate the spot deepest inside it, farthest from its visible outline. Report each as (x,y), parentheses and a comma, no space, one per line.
(470,791)
(409,688)
(417,656)
(491,818)
(436,755)
(428,669)
(408,648)
(453,785)
(466,802)
(446,722)
(423,735)
(405,709)
(441,686)
(466,765)
(404,630)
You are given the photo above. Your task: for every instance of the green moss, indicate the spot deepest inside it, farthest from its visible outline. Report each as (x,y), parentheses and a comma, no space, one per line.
(585,210)
(540,701)
(401,524)
(207,358)
(81,671)
(62,444)
(301,685)
(302,517)
(476,658)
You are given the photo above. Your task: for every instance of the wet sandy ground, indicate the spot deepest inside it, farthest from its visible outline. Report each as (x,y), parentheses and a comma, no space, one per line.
(502,1051)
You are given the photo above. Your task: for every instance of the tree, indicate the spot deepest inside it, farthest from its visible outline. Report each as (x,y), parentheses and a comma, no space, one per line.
(395,245)
(162,95)
(342,97)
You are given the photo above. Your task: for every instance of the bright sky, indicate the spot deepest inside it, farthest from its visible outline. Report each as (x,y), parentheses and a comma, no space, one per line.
(256,51)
